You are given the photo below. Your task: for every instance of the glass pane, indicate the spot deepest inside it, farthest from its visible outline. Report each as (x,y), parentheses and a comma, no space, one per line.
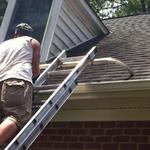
(34,12)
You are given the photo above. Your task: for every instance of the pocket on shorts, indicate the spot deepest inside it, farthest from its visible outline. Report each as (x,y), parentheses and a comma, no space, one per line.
(13,93)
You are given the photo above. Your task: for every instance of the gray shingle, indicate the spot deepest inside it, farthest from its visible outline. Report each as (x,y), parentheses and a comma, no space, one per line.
(129,41)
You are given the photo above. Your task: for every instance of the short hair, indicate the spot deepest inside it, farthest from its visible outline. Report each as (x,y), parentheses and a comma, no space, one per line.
(23,29)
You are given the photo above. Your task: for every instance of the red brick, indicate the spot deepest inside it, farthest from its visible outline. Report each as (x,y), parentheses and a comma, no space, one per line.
(34,145)
(128,146)
(146,132)
(104,139)
(77,125)
(42,138)
(55,138)
(132,131)
(63,132)
(57,125)
(48,131)
(45,144)
(114,132)
(96,131)
(86,139)
(110,146)
(71,138)
(91,124)
(126,124)
(144,147)
(139,139)
(121,139)
(60,145)
(93,146)
(143,124)
(79,131)
(108,124)
(76,145)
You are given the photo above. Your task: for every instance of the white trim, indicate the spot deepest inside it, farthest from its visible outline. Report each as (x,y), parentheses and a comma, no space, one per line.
(108,101)
(103,115)
(122,85)
(75,18)
(94,17)
(7,19)
(50,29)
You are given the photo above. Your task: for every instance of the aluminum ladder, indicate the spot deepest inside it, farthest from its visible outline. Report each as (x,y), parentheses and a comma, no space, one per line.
(51,106)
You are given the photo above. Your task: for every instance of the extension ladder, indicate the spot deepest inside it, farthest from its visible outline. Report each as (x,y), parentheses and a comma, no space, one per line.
(54,102)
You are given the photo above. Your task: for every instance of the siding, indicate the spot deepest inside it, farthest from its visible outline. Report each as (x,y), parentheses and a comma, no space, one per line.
(75,25)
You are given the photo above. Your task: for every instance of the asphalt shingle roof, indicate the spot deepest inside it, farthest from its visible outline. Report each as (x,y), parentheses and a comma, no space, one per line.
(128,41)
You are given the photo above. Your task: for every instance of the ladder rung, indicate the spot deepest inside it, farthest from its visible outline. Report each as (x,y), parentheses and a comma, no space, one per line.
(71,59)
(60,72)
(66,62)
(55,101)
(69,64)
(44,91)
(46,87)
(38,103)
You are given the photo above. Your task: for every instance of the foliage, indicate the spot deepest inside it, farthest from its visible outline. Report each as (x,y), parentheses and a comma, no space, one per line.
(117,8)
(107,8)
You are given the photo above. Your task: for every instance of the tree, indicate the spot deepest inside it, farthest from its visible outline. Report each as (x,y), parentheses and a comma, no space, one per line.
(117,8)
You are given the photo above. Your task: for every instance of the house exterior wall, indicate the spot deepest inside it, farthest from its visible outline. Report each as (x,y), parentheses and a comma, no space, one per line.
(119,121)
(126,42)
(114,135)
(73,24)
(61,24)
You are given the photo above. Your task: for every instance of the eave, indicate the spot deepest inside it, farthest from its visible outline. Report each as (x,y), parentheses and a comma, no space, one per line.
(108,101)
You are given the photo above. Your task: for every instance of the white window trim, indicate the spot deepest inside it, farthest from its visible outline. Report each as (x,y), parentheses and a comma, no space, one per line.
(7,19)
(50,29)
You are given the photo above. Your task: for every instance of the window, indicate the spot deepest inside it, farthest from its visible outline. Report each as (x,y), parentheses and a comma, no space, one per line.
(34,12)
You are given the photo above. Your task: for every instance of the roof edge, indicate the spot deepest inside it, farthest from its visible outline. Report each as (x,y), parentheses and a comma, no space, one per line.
(112,86)
(103,27)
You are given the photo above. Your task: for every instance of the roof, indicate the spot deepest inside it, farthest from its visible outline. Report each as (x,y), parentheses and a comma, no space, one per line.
(105,94)
(129,42)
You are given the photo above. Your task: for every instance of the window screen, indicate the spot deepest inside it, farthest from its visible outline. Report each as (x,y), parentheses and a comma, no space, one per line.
(34,12)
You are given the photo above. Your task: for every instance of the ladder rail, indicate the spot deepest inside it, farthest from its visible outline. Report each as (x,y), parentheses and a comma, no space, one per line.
(51,67)
(47,111)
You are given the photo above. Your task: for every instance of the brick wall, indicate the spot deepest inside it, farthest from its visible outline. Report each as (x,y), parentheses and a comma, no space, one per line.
(95,136)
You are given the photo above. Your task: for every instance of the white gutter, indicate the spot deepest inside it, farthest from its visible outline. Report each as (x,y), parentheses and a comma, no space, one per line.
(107,86)
(108,101)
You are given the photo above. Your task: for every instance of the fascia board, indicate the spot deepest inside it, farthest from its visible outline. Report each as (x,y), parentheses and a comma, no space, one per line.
(108,101)
(50,28)
(94,16)
(130,85)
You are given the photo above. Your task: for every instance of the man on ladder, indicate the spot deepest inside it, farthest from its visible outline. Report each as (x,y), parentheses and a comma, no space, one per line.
(19,66)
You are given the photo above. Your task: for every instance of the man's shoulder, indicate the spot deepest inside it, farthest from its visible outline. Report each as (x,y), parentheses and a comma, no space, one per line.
(35,44)
(6,43)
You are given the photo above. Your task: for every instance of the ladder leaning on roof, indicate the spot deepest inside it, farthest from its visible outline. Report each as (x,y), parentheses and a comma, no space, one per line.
(55,101)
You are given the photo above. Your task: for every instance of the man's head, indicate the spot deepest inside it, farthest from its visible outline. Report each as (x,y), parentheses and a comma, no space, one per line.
(23,29)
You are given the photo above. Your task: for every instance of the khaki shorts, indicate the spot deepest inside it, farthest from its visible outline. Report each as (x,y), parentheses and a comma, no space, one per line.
(16,100)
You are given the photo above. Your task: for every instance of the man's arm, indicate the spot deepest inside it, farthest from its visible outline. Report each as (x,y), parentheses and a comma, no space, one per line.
(36,58)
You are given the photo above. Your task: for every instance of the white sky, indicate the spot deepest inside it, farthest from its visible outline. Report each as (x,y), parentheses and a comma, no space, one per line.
(109,11)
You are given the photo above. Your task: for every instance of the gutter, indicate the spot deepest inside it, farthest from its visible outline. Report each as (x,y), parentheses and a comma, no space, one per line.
(131,89)
(113,86)
(108,101)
